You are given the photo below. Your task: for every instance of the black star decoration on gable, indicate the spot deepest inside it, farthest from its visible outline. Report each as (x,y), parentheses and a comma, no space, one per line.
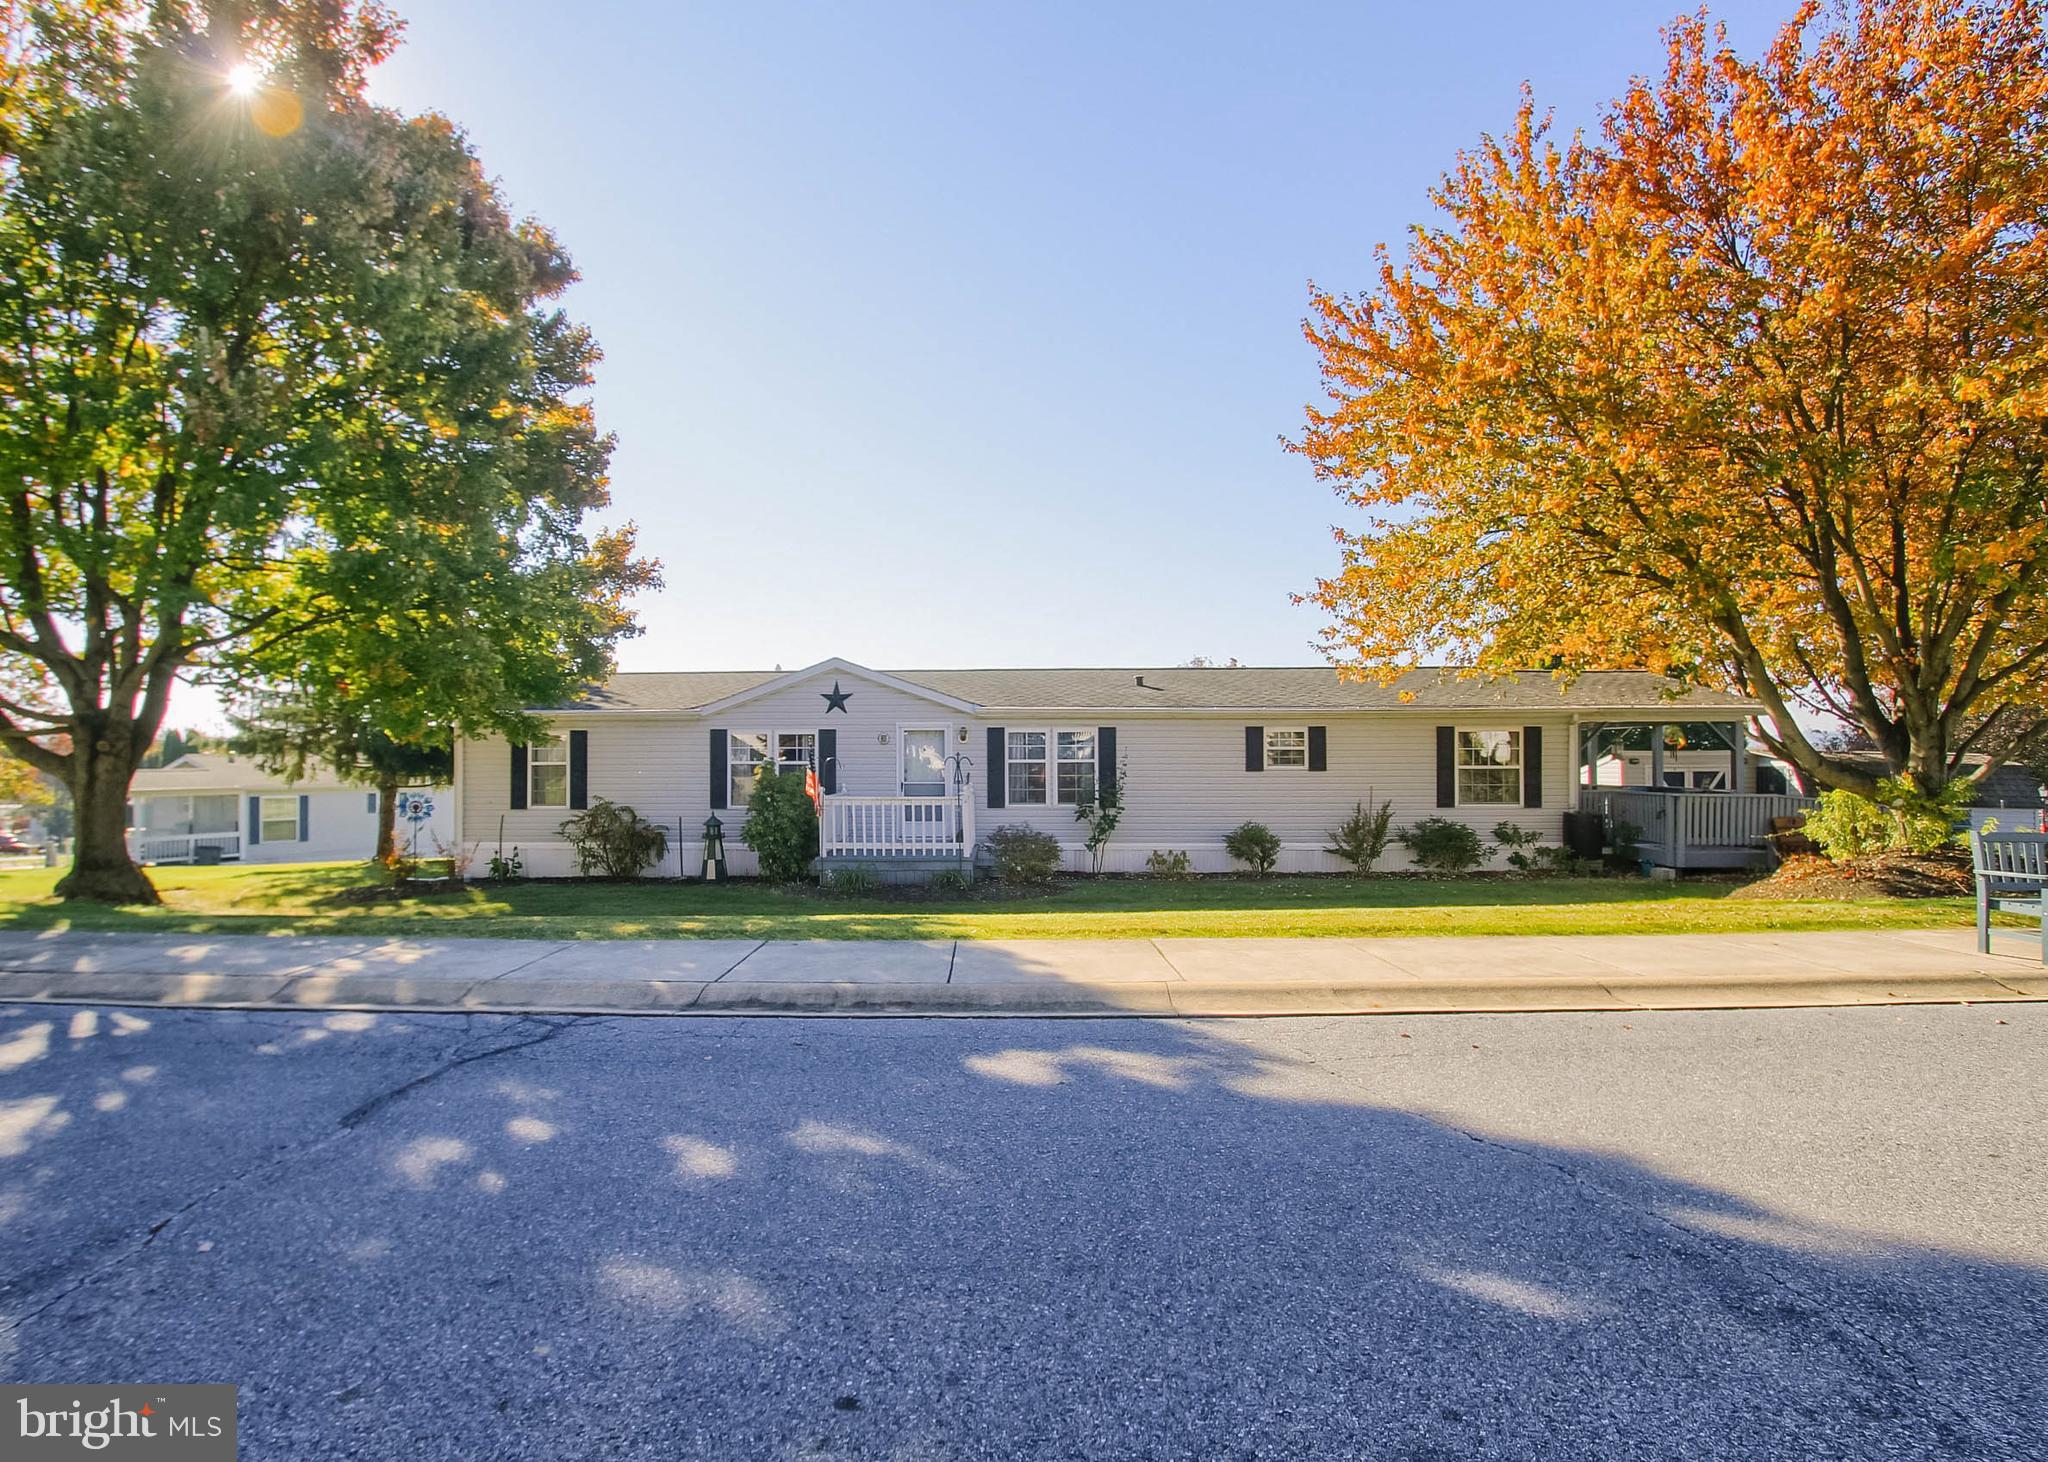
(835,699)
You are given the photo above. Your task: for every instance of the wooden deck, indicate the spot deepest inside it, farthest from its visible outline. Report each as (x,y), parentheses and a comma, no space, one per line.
(1695,829)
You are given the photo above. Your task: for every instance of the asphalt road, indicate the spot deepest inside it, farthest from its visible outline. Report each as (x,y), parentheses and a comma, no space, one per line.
(1772,1235)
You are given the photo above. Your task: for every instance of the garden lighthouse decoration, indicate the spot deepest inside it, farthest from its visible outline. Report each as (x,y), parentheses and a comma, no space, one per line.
(714,850)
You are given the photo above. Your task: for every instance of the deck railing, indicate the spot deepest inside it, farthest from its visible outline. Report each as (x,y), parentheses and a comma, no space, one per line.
(1694,829)
(896,827)
(182,847)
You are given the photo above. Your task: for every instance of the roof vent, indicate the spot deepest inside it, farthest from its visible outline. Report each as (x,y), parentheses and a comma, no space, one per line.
(1141,680)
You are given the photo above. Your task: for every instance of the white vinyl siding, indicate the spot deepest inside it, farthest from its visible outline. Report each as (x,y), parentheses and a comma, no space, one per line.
(547,772)
(1489,768)
(1186,781)
(280,819)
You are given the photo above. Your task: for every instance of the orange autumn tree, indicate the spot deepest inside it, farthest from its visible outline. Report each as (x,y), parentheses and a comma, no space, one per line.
(1751,390)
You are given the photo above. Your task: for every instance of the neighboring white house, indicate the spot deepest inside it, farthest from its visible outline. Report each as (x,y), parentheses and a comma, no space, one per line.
(210,806)
(924,763)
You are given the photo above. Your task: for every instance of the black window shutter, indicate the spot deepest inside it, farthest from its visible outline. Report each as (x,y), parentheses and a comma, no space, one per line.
(305,817)
(1319,748)
(579,769)
(1105,759)
(255,821)
(828,760)
(518,776)
(1255,748)
(1447,766)
(998,776)
(1532,766)
(720,783)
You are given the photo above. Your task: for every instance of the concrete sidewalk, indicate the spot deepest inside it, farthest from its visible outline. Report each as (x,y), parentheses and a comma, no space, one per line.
(1023,977)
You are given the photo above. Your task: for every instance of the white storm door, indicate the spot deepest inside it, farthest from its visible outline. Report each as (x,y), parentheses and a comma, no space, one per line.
(924,761)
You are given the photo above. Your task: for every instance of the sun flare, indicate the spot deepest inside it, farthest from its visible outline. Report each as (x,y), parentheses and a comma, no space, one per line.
(243,78)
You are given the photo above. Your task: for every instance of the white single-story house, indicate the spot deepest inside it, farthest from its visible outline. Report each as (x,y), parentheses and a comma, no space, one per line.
(924,763)
(214,806)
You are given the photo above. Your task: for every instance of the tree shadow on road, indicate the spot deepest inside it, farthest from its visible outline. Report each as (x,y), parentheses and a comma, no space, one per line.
(1019,1239)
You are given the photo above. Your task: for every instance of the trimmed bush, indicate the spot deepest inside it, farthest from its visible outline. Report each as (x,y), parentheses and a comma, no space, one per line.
(612,841)
(781,826)
(1024,854)
(1360,838)
(1443,846)
(1255,845)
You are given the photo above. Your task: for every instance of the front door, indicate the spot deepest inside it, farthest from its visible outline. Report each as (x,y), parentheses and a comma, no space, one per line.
(924,762)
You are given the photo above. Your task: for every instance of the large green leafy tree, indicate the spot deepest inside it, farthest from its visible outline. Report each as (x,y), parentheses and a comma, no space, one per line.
(277,372)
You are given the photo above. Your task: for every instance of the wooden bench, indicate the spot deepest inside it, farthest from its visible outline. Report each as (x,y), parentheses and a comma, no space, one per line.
(2012,871)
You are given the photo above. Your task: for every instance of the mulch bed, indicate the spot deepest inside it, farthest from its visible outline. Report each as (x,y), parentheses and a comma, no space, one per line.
(1890,875)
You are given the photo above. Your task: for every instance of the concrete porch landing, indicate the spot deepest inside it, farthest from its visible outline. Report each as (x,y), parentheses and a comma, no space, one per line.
(1211,977)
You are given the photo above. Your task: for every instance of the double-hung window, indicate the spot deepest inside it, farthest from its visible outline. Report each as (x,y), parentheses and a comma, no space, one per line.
(1286,747)
(796,751)
(1048,767)
(746,754)
(1027,768)
(280,819)
(1076,782)
(1490,768)
(547,772)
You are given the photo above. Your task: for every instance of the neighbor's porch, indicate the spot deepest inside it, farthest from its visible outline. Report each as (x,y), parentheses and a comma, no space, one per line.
(185,828)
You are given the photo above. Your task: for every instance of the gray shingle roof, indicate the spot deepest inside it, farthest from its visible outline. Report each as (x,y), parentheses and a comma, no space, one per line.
(1291,688)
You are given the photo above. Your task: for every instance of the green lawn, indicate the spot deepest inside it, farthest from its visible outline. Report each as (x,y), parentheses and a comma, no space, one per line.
(298,899)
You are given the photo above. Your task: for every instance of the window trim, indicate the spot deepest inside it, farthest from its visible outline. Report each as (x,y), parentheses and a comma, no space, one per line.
(263,801)
(1266,748)
(1518,766)
(1052,762)
(533,762)
(734,801)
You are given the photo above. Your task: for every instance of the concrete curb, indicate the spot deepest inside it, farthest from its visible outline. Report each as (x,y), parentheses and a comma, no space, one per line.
(512,995)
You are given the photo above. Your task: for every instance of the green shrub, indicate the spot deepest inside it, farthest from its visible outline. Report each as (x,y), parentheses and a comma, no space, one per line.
(781,826)
(613,841)
(1444,846)
(853,882)
(1900,819)
(1517,839)
(1024,854)
(1255,845)
(1360,838)
(1171,865)
(951,880)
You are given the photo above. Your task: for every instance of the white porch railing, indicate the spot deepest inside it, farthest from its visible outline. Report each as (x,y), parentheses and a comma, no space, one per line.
(896,827)
(181,847)
(1694,829)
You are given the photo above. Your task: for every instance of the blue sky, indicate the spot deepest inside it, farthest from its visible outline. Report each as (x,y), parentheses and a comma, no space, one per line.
(946,334)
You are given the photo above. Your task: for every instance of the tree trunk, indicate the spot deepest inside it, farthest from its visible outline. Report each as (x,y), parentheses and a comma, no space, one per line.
(101,869)
(387,817)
